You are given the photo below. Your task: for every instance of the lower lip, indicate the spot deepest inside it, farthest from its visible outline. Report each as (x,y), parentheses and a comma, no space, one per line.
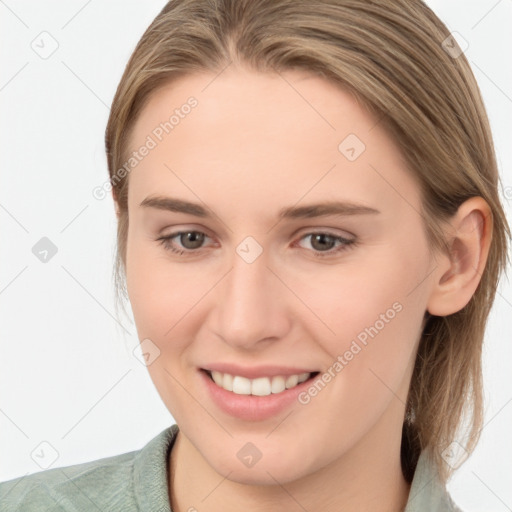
(251,407)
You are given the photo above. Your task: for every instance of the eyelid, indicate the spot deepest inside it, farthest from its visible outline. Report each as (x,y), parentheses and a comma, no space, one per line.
(326,231)
(179,228)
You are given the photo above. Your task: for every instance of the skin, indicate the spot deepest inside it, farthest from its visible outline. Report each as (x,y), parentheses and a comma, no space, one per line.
(254,144)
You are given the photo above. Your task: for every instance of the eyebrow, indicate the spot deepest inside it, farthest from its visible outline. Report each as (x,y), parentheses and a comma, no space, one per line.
(340,208)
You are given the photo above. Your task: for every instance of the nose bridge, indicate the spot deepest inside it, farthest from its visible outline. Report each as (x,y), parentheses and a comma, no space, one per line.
(250,306)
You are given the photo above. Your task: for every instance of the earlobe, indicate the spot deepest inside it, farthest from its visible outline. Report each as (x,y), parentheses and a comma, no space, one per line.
(460,271)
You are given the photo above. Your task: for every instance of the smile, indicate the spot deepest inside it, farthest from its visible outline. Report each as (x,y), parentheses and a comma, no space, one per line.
(262,386)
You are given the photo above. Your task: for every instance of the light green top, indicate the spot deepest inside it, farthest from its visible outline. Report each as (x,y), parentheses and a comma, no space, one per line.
(138,481)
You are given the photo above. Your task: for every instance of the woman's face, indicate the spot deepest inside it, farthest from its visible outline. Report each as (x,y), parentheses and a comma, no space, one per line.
(265,284)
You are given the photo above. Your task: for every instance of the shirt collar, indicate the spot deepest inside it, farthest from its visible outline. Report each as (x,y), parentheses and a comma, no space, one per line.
(150,472)
(428,492)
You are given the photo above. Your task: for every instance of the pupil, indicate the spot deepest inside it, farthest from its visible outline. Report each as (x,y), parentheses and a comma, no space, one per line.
(322,238)
(194,237)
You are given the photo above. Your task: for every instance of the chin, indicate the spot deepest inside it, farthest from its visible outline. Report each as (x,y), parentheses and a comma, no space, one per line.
(267,471)
(261,477)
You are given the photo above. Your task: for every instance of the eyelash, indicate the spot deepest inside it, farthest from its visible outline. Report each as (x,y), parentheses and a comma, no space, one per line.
(346,243)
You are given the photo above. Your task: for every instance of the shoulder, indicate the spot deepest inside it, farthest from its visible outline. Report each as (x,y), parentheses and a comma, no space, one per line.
(111,483)
(81,485)
(87,482)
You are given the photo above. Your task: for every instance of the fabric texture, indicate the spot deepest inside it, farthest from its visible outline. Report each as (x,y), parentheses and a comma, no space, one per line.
(138,482)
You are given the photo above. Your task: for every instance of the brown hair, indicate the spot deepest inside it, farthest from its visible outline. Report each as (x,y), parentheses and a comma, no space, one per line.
(392,55)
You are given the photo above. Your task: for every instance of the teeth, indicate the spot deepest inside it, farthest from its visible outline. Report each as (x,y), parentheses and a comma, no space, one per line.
(278,384)
(303,377)
(292,381)
(262,386)
(227,382)
(217,377)
(241,385)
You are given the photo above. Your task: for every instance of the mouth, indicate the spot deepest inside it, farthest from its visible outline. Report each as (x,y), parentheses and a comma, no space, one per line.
(261,386)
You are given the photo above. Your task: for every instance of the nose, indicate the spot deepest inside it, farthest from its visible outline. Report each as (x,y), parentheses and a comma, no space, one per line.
(251,305)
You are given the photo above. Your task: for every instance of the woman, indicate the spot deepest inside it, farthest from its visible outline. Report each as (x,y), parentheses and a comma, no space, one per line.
(311,235)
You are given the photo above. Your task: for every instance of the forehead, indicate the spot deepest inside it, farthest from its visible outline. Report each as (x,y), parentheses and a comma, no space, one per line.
(293,101)
(283,134)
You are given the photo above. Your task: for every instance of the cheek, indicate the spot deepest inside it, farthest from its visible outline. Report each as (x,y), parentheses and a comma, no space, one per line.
(376,327)
(349,300)
(371,316)
(160,293)
(162,298)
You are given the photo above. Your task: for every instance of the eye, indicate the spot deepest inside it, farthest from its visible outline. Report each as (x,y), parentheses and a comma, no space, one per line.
(324,244)
(189,240)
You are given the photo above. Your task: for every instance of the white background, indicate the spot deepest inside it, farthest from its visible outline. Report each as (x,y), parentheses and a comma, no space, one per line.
(67,373)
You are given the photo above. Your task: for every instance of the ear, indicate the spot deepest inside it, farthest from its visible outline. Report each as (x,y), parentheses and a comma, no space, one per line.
(458,273)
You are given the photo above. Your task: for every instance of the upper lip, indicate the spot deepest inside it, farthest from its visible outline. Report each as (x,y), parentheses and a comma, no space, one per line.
(255,372)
